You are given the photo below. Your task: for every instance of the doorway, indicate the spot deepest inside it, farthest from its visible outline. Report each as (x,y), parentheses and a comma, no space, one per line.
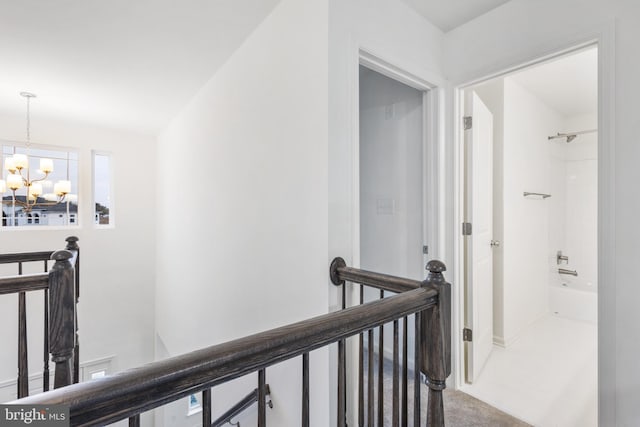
(391,176)
(530,298)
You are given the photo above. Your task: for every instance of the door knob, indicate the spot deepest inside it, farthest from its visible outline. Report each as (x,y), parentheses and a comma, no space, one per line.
(495,243)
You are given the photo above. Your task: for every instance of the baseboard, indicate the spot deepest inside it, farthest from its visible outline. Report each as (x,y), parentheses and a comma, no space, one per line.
(499,341)
(8,388)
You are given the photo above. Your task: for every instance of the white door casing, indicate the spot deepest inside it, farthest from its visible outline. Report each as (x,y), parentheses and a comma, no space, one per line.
(479,212)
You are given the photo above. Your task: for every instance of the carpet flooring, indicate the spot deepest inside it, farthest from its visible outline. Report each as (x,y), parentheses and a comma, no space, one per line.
(461,410)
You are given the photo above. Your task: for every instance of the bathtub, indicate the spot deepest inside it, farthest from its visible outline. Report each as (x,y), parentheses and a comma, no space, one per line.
(575,302)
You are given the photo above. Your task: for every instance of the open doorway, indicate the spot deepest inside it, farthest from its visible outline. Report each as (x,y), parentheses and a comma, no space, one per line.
(531,247)
(391,176)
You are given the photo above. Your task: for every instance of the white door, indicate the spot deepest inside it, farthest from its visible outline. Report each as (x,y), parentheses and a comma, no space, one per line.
(479,212)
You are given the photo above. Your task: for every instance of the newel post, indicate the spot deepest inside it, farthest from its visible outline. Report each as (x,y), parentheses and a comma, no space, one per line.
(436,342)
(62,318)
(72,245)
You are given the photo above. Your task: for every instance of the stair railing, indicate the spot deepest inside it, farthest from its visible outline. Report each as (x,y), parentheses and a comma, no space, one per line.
(130,393)
(432,352)
(60,287)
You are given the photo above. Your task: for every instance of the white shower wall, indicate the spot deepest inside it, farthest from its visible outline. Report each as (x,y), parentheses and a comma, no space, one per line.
(574,226)
(532,229)
(526,159)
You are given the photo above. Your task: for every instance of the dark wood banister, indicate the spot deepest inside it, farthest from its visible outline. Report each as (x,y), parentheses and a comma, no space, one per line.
(25,257)
(127,394)
(61,286)
(123,395)
(24,283)
(435,324)
(340,273)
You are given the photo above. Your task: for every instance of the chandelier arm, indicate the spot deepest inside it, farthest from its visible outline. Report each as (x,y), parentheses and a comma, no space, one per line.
(14,200)
(46,174)
(21,203)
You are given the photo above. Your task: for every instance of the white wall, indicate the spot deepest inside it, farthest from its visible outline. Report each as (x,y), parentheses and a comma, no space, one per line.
(573,221)
(116,312)
(251,149)
(581,215)
(521,30)
(526,164)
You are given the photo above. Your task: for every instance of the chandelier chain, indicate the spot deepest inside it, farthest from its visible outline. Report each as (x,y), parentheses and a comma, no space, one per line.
(28,121)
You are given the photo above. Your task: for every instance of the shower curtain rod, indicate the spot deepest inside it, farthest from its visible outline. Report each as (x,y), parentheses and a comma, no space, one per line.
(571,135)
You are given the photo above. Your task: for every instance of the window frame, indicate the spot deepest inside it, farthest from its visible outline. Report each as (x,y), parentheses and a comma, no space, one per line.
(47,147)
(112,216)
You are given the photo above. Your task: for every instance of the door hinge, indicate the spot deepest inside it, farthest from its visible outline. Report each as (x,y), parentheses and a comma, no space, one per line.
(467,335)
(466,229)
(468,122)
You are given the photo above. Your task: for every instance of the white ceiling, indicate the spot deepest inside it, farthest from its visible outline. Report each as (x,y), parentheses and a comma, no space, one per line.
(568,85)
(449,14)
(122,63)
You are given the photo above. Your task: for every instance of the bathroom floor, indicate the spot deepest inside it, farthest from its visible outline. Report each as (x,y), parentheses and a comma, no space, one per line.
(548,377)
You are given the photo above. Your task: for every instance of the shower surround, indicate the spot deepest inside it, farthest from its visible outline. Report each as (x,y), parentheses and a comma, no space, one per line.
(573,228)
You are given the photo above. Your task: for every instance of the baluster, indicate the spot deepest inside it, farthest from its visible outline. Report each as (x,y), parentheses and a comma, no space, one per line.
(396,380)
(134,421)
(361,370)
(416,373)
(262,404)
(370,379)
(62,319)
(436,342)
(45,353)
(405,374)
(381,372)
(206,407)
(305,390)
(72,245)
(23,367)
(342,372)
(342,384)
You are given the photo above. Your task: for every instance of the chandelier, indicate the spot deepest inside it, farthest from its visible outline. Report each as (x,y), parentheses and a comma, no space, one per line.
(20,175)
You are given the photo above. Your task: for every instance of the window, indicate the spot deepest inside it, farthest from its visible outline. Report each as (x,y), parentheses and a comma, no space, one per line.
(48,210)
(103,208)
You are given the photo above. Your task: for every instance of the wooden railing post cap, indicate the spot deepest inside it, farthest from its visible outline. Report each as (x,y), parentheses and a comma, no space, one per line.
(61,255)
(72,242)
(435,269)
(436,266)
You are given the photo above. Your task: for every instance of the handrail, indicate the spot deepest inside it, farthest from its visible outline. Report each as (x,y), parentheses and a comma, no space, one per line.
(24,283)
(243,404)
(340,273)
(25,257)
(123,395)
(19,257)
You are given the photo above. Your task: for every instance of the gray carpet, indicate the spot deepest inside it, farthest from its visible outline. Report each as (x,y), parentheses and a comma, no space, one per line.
(461,410)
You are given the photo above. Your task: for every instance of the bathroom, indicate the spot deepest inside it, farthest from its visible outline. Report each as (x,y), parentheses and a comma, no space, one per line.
(542,363)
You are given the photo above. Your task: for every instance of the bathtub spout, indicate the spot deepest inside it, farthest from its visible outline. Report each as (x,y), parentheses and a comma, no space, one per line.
(569,272)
